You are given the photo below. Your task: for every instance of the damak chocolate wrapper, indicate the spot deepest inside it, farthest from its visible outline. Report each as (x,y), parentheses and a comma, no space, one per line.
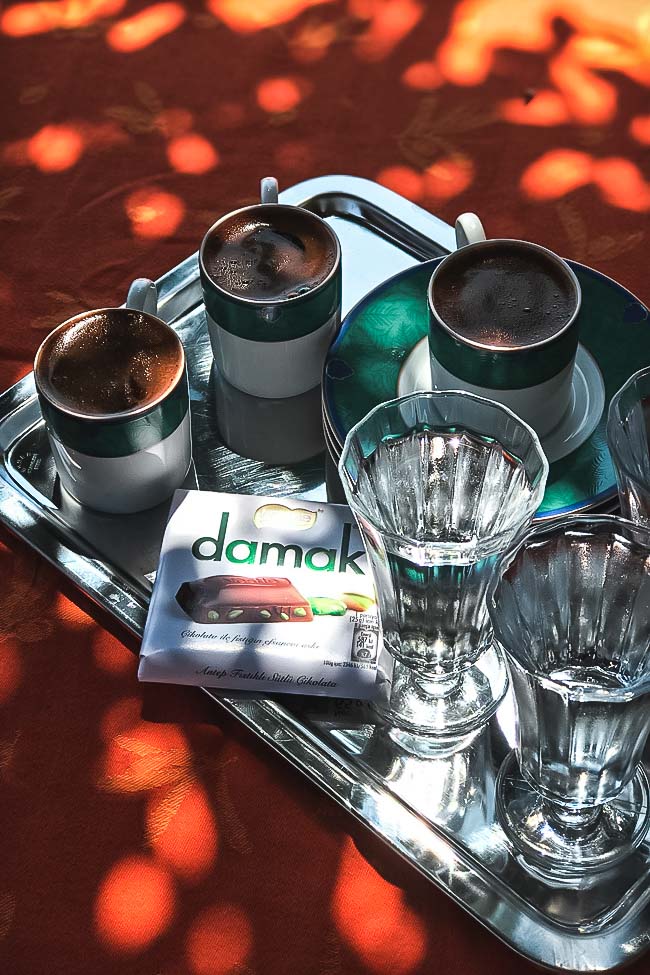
(264,595)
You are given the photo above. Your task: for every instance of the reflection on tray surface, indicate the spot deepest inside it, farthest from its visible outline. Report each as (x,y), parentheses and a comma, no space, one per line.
(455,791)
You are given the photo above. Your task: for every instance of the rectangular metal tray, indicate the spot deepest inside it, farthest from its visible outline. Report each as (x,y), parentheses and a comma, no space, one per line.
(437,813)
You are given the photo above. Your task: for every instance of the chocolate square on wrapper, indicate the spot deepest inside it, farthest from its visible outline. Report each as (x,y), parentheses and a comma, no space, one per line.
(242,599)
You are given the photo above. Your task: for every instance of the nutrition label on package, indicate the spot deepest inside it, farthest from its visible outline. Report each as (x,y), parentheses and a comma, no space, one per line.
(365,643)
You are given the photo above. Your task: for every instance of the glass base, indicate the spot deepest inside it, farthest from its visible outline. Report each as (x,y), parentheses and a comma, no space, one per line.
(425,746)
(571,843)
(422,711)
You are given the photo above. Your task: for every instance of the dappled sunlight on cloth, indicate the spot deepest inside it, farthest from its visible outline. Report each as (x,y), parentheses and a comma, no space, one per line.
(559,171)
(120,717)
(154,213)
(55,148)
(72,615)
(545,108)
(41,16)
(422,76)
(479,28)
(622,184)
(257,15)
(600,40)
(448,177)
(590,100)
(144,757)
(110,656)
(404,180)
(387,935)
(280,94)
(556,173)
(145,27)
(640,129)
(442,180)
(192,153)
(181,830)
(135,904)
(390,22)
(312,41)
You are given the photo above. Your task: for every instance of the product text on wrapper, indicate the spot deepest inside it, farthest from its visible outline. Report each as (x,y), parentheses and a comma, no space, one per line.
(241,551)
(260,675)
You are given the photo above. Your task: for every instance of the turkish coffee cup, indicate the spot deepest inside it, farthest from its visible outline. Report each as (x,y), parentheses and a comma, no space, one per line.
(113,390)
(503,323)
(271,282)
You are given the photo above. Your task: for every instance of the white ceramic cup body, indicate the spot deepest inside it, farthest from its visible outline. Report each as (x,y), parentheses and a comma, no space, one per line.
(543,397)
(125,485)
(272,370)
(541,406)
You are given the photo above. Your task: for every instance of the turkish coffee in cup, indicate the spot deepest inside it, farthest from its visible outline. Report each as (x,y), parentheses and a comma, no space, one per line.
(108,362)
(508,295)
(267,256)
(503,323)
(112,386)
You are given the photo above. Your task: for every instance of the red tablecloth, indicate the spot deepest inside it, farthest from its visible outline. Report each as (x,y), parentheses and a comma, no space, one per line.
(142,831)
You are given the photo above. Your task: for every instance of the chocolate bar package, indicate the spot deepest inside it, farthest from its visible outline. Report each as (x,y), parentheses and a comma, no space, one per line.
(265,595)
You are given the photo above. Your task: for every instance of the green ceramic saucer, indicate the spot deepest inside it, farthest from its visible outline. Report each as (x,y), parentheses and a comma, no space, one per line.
(378,335)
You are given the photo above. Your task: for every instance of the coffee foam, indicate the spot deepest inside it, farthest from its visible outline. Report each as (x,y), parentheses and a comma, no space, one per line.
(508,295)
(113,361)
(269,257)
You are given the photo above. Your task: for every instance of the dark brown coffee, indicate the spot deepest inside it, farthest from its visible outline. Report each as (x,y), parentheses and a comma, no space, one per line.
(269,257)
(507,295)
(105,362)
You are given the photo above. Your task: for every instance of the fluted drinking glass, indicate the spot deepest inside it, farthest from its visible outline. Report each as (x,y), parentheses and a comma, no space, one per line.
(571,610)
(441,483)
(628,438)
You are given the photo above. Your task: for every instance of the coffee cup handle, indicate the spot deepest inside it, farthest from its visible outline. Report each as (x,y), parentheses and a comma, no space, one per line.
(269,189)
(469,229)
(143,296)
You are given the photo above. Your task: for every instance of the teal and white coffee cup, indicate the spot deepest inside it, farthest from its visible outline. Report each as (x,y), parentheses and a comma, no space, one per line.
(271,281)
(503,324)
(113,391)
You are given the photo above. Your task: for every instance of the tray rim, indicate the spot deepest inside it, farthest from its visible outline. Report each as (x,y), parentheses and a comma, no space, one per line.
(21,513)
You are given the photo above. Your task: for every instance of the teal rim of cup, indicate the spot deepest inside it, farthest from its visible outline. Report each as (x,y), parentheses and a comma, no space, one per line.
(118,437)
(495,367)
(272,320)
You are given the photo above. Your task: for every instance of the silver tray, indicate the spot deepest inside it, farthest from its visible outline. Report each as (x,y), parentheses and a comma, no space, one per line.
(437,813)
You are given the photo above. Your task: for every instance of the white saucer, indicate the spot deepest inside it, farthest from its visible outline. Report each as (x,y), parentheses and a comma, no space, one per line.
(579,422)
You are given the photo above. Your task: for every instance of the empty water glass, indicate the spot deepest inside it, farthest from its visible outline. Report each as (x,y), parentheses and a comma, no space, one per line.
(572,613)
(441,483)
(628,437)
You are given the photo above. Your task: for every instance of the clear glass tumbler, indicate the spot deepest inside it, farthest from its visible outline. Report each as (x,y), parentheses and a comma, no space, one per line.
(441,483)
(628,437)
(571,610)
